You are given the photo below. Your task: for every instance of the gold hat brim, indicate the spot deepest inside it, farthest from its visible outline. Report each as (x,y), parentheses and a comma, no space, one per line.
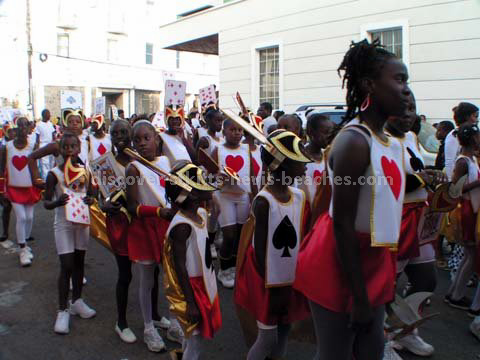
(200,185)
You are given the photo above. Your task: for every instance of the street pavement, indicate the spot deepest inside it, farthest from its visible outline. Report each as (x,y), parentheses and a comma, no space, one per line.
(28,303)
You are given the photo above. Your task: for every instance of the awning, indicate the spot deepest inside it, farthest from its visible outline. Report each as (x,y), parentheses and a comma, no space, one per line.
(205,45)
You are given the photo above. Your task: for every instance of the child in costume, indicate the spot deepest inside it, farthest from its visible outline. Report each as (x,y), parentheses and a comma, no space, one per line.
(209,139)
(150,214)
(8,134)
(99,143)
(20,189)
(233,200)
(345,267)
(71,238)
(267,269)
(174,144)
(189,273)
(469,138)
(415,259)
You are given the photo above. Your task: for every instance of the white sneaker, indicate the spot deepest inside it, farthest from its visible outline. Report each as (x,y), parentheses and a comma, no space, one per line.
(389,352)
(30,252)
(126,335)
(213,250)
(153,340)
(225,279)
(415,344)
(164,323)
(83,310)
(25,259)
(62,323)
(175,333)
(475,327)
(7,244)
(232,274)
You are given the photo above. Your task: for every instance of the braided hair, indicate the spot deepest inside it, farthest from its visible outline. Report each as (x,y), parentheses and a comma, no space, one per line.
(363,59)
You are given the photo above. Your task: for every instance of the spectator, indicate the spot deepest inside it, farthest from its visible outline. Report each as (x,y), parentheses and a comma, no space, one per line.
(443,129)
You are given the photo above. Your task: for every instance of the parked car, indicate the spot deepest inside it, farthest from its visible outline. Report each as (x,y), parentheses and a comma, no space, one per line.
(334,112)
(428,143)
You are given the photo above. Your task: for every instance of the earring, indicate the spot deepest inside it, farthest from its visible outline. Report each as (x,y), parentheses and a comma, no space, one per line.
(365,104)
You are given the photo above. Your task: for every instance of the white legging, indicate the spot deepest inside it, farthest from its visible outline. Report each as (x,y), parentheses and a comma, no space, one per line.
(23,226)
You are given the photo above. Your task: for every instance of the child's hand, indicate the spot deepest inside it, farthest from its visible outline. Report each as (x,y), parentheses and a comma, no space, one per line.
(193,313)
(88,200)
(62,201)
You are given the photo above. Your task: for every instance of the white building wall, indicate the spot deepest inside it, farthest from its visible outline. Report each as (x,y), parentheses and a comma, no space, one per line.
(131,23)
(444,48)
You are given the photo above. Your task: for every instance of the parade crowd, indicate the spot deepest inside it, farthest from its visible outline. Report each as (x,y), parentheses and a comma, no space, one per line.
(256,192)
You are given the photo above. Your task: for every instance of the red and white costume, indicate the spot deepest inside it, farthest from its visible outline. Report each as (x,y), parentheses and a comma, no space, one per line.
(284,236)
(233,199)
(311,180)
(377,226)
(257,166)
(201,274)
(173,148)
(146,234)
(98,147)
(470,202)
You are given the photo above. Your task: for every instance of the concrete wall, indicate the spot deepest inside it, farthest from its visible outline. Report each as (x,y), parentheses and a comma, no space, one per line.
(442,47)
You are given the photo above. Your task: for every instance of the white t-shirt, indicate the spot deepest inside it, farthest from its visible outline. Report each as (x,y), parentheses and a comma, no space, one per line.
(452,149)
(267,122)
(45,132)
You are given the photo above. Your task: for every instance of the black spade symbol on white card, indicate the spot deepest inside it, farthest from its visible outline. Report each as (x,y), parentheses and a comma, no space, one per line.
(285,237)
(415,162)
(208,256)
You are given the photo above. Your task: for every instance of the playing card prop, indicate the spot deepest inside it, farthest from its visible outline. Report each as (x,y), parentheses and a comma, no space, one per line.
(448,195)
(76,210)
(107,174)
(175,93)
(70,99)
(404,315)
(159,121)
(207,95)
(100,105)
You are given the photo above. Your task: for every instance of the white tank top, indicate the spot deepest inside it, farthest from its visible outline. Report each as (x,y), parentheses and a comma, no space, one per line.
(151,187)
(198,256)
(98,147)
(83,149)
(284,235)
(379,209)
(17,165)
(212,142)
(473,175)
(173,148)
(204,132)
(257,166)
(239,160)
(309,183)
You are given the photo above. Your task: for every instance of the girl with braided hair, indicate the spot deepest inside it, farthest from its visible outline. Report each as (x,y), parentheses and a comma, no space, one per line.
(345,267)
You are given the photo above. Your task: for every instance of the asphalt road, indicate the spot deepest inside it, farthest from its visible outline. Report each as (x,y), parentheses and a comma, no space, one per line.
(28,303)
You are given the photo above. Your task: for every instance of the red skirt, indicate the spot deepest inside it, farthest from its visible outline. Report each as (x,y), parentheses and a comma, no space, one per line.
(252,295)
(24,195)
(117,231)
(408,246)
(320,275)
(211,315)
(146,238)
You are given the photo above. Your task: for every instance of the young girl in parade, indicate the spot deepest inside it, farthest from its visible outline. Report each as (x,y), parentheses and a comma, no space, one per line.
(8,134)
(267,269)
(99,142)
(233,200)
(150,213)
(72,121)
(319,128)
(189,273)
(174,144)
(469,138)
(415,259)
(209,139)
(71,238)
(346,270)
(20,190)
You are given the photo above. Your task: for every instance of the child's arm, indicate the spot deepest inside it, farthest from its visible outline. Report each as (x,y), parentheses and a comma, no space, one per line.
(49,149)
(260,211)
(48,203)
(188,145)
(178,238)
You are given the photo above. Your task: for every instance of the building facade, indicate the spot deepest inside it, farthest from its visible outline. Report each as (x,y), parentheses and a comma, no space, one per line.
(98,47)
(288,52)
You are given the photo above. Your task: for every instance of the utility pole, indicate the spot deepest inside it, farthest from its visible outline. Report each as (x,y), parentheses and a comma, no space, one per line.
(30,51)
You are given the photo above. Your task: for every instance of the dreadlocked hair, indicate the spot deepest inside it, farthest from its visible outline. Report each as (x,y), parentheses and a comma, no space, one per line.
(363,59)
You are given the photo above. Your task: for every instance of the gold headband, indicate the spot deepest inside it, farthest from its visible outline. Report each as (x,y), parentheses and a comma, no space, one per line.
(67,113)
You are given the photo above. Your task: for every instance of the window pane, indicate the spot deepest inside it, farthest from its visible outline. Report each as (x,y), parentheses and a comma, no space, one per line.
(390,39)
(148,53)
(62,45)
(269,75)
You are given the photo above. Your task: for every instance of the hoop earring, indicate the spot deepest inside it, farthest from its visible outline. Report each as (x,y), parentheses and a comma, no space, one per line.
(365,104)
